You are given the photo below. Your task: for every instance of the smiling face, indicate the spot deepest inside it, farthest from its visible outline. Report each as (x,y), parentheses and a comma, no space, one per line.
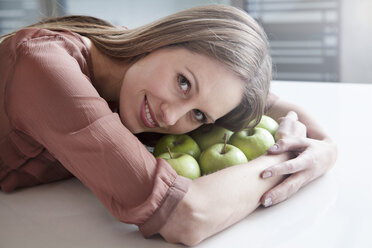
(173,90)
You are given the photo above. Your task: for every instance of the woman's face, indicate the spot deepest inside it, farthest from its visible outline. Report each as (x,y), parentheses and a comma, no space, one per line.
(174,90)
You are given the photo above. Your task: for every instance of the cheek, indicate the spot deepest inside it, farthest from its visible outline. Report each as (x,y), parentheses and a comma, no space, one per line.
(160,82)
(157,89)
(161,91)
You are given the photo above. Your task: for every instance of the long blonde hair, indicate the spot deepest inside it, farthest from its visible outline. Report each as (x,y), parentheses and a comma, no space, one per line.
(222,32)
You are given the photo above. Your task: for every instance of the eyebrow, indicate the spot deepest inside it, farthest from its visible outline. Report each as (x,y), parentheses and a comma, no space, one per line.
(211,120)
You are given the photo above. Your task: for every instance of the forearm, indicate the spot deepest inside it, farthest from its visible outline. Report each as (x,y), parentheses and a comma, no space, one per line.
(298,132)
(219,200)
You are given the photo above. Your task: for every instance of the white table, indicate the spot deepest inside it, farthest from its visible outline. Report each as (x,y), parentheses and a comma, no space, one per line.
(334,211)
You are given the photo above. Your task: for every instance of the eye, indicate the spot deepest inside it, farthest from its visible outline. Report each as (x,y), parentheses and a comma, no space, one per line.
(199,116)
(184,84)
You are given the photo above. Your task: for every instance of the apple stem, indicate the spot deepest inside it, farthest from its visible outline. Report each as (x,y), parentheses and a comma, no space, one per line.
(170,154)
(224,143)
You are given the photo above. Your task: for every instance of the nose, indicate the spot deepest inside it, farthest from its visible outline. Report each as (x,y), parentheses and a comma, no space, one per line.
(172,113)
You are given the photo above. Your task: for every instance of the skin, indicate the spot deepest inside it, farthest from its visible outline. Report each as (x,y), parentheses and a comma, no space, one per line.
(178,91)
(303,150)
(315,152)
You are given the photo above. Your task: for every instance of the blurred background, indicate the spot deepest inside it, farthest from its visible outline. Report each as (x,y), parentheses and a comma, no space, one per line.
(311,40)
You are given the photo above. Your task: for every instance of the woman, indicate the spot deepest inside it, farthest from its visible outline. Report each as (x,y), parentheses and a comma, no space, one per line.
(76,90)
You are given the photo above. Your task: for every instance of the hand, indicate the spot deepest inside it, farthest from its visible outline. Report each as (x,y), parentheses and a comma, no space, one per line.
(289,126)
(312,158)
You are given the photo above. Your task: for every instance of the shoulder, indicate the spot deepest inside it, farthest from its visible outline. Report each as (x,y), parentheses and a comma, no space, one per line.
(49,70)
(52,46)
(51,60)
(39,34)
(271,100)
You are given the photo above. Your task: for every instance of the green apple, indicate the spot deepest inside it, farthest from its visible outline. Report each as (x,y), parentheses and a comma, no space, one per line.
(181,143)
(209,135)
(184,164)
(253,141)
(220,156)
(269,124)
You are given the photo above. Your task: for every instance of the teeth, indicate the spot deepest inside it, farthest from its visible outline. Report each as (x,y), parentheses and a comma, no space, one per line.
(148,114)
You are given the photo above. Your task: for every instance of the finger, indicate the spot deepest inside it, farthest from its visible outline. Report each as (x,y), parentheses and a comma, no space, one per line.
(284,190)
(291,166)
(286,125)
(292,115)
(288,145)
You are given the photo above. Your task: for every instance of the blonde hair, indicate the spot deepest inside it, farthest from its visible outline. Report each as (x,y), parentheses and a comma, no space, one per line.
(224,33)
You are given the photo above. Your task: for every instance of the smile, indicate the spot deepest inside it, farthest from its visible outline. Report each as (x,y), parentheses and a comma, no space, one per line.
(147,115)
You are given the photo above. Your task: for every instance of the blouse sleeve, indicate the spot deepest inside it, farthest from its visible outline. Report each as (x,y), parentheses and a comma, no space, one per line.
(51,100)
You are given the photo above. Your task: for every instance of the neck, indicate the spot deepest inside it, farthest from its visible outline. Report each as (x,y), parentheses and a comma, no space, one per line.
(108,74)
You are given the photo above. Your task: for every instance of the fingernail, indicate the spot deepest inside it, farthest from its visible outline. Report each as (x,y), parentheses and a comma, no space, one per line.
(274,147)
(268,202)
(267,174)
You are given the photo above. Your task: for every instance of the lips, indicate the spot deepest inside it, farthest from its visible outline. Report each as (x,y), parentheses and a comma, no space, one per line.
(147,115)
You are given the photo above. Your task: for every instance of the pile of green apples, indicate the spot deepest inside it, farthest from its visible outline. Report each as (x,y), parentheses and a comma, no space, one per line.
(212,148)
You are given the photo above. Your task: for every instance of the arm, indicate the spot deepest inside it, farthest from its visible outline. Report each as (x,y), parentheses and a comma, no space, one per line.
(216,201)
(316,152)
(52,102)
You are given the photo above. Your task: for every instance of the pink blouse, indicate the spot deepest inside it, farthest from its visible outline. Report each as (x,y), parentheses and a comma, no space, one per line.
(54,124)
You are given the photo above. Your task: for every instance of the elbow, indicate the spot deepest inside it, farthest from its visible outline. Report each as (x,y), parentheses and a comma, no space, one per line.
(185,225)
(191,240)
(334,153)
(188,238)
(187,235)
(193,235)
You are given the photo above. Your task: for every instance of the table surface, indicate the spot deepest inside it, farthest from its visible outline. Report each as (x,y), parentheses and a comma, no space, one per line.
(333,211)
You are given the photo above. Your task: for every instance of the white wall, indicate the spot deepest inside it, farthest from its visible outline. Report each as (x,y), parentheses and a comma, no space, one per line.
(356,41)
(356,25)
(131,13)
